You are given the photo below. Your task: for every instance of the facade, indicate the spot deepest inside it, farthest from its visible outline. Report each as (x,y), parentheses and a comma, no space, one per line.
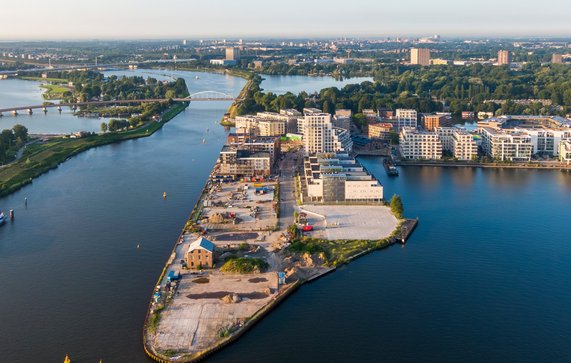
(342,119)
(336,177)
(420,56)
(237,162)
(504,57)
(506,145)
(545,132)
(458,142)
(319,134)
(406,118)
(557,58)
(200,254)
(380,130)
(370,115)
(419,144)
(565,151)
(223,62)
(266,123)
(232,53)
(431,122)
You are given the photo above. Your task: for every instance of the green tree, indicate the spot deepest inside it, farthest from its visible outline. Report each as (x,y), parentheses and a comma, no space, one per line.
(103,127)
(396,206)
(20,132)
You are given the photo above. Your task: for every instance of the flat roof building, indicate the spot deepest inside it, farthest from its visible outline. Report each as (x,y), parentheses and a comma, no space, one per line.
(406,118)
(506,145)
(504,57)
(319,134)
(420,56)
(565,151)
(419,144)
(336,177)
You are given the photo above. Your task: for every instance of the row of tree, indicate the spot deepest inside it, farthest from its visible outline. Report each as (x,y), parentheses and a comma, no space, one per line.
(432,89)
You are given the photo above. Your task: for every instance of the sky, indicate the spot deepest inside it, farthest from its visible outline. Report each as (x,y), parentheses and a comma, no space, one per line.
(146,19)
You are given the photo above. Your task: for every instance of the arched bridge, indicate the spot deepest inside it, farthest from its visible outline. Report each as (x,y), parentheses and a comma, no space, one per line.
(210,96)
(195,97)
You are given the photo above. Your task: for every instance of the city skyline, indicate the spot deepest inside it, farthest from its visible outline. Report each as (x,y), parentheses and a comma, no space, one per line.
(131,20)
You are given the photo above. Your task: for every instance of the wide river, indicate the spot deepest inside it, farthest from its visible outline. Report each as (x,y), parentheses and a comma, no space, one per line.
(485,277)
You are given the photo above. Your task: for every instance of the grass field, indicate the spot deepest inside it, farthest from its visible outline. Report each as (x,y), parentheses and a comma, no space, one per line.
(54,91)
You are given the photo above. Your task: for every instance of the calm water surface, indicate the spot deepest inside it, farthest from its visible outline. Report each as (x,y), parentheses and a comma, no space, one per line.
(296,84)
(485,277)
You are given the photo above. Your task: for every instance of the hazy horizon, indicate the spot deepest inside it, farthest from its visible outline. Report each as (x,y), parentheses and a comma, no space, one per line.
(132,20)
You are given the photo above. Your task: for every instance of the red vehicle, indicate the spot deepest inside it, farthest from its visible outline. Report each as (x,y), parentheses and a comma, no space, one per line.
(307,228)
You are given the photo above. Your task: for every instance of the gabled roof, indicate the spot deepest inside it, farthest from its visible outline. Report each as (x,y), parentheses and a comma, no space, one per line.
(202,243)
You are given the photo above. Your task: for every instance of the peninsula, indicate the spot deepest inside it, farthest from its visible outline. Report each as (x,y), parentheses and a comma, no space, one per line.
(273,215)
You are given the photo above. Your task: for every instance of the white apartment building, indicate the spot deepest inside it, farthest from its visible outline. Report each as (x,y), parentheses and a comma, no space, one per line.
(320,136)
(263,124)
(565,151)
(419,144)
(406,118)
(546,141)
(336,177)
(506,145)
(458,142)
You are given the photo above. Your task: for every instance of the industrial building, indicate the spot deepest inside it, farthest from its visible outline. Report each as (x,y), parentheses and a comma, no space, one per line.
(200,254)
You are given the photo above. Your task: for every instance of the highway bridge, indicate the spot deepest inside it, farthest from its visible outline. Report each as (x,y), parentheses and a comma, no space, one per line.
(195,97)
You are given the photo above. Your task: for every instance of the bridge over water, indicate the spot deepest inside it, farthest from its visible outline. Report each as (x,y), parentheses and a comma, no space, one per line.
(195,97)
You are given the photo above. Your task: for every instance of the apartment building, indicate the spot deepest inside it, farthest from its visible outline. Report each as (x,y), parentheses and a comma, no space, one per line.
(458,142)
(232,53)
(342,119)
(264,124)
(557,58)
(545,132)
(420,56)
(506,145)
(431,121)
(565,151)
(237,162)
(336,177)
(379,130)
(504,57)
(419,144)
(319,134)
(406,118)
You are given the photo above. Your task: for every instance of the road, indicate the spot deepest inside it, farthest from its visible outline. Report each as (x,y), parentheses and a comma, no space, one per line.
(287,188)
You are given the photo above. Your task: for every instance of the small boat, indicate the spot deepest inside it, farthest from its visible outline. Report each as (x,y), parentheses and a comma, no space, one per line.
(2,218)
(196,77)
(390,168)
(204,141)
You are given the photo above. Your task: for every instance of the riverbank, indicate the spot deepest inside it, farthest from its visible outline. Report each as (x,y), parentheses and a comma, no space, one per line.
(467,164)
(40,158)
(203,310)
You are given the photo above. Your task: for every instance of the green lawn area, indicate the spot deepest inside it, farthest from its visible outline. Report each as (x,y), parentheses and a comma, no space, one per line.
(54,91)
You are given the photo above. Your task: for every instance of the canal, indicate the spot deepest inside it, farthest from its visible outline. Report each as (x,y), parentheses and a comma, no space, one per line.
(484,277)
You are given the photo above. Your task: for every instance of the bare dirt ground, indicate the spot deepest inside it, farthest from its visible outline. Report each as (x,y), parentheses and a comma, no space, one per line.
(191,323)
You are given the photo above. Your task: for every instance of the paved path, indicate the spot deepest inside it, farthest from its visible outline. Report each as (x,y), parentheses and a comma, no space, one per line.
(287,189)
